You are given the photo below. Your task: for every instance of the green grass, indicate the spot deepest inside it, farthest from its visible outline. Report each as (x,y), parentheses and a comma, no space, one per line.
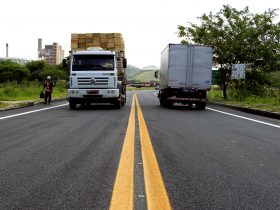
(146,76)
(3,105)
(269,102)
(143,76)
(10,92)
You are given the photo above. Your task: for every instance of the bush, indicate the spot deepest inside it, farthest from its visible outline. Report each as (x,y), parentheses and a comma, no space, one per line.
(10,71)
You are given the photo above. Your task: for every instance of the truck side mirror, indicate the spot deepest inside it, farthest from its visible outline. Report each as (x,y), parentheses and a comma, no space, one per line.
(124,63)
(156,74)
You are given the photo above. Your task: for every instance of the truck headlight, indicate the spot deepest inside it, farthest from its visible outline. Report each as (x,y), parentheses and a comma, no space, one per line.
(73,92)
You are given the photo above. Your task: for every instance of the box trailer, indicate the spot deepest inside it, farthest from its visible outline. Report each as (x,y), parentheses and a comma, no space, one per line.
(185,75)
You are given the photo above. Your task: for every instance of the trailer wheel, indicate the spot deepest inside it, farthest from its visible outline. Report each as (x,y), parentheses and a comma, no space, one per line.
(168,104)
(161,100)
(200,106)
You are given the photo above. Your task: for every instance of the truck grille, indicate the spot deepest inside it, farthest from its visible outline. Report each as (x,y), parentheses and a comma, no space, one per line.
(90,81)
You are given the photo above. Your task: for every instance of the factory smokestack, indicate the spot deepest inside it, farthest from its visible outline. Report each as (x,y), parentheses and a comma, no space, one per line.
(39,48)
(7,50)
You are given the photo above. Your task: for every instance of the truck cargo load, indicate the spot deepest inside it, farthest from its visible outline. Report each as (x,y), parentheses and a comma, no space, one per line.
(185,75)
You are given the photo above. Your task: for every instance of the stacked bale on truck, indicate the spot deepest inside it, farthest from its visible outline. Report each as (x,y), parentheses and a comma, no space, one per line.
(107,41)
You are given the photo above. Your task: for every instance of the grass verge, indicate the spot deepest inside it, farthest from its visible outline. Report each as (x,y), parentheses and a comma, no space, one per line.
(269,102)
(10,92)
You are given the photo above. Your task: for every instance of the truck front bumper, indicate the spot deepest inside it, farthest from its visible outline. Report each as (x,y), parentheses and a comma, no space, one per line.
(93,93)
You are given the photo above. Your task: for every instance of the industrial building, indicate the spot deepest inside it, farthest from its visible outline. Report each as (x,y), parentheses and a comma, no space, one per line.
(52,54)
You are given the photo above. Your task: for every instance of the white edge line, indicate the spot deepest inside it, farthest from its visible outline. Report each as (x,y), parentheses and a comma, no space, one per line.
(245,118)
(37,110)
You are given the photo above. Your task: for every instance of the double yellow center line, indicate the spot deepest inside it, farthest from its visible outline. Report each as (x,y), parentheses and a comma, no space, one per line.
(123,193)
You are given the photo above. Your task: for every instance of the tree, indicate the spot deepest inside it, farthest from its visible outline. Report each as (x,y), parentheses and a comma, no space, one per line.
(237,37)
(35,67)
(10,71)
(53,71)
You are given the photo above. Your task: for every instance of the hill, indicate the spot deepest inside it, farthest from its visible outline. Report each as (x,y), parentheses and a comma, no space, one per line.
(141,75)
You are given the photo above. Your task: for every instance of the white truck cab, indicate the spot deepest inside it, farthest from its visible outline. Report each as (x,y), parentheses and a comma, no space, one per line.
(94,78)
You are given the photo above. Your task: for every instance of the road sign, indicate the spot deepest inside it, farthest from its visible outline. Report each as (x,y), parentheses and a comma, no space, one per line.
(215,76)
(238,71)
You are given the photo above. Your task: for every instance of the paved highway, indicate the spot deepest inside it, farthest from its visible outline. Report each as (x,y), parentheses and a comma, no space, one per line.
(142,156)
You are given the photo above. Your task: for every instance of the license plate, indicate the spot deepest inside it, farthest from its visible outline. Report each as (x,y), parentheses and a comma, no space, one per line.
(92,91)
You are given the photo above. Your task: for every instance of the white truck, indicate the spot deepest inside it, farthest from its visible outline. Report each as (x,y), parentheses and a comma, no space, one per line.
(94,78)
(185,75)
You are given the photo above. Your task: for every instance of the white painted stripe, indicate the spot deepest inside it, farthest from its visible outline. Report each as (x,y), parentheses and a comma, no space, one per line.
(245,118)
(37,110)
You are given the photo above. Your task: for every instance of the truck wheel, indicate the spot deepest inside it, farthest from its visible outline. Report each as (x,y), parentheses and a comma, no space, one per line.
(72,104)
(161,100)
(118,103)
(123,99)
(200,106)
(168,104)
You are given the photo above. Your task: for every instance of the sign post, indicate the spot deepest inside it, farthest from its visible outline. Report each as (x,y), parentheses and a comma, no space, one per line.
(238,73)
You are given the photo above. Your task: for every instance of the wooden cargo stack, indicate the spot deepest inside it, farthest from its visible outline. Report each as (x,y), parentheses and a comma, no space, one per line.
(107,41)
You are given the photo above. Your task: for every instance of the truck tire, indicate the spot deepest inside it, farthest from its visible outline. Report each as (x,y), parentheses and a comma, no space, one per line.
(123,99)
(200,106)
(161,100)
(72,104)
(118,103)
(168,104)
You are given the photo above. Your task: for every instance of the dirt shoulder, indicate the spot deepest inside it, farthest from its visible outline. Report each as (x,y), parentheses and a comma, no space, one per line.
(8,105)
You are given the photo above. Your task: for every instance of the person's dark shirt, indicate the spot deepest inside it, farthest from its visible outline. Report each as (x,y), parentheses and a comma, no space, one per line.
(48,86)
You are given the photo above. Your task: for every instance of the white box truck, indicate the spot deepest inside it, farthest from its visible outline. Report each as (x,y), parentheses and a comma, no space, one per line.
(185,75)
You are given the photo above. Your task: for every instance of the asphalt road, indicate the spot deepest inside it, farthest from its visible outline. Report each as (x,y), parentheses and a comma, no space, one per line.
(62,159)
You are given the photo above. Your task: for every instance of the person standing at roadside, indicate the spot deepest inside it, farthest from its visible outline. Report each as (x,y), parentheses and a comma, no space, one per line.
(48,88)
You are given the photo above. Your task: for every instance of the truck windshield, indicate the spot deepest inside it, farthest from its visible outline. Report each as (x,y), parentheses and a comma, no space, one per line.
(93,62)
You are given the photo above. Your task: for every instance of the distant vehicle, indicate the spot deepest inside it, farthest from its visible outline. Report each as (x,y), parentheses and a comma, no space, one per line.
(96,75)
(137,85)
(185,75)
(157,87)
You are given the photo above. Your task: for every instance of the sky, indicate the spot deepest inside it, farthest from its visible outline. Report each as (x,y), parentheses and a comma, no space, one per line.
(147,26)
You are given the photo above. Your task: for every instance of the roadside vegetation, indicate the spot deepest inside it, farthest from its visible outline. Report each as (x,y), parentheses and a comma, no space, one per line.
(24,82)
(29,91)
(270,101)
(241,37)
